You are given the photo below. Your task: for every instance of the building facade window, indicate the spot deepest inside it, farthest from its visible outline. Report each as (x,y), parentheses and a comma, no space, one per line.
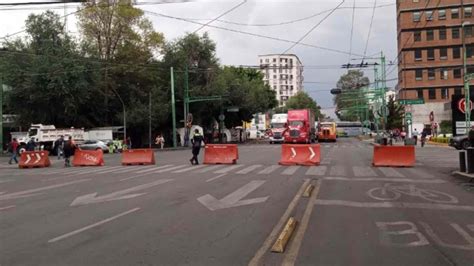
(454,13)
(419,93)
(455,33)
(431,74)
(431,54)
(444,93)
(432,94)
(468,31)
(444,74)
(417,36)
(419,74)
(457,91)
(442,14)
(429,35)
(457,73)
(467,12)
(418,55)
(470,51)
(429,15)
(443,53)
(456,52)
(416,16)
(442,34)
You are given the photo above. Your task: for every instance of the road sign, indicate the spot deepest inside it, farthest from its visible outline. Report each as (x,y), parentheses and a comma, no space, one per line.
(409,102)
(408,116)
(462,105)
(233,109)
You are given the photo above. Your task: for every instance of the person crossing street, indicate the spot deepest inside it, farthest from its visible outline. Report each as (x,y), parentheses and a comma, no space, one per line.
(13,148)
(196,144)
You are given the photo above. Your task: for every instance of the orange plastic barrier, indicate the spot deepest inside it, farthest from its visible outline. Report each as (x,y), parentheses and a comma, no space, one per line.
(300,154)
(221,154)
(88,158)
(398,156)
(34,159)
(138,157)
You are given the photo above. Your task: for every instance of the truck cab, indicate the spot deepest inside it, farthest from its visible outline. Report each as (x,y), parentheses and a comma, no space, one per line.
(277,128)
(300,127)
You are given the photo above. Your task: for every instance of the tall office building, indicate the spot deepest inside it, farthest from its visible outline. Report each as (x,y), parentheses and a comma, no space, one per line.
(430,49)
(284,74)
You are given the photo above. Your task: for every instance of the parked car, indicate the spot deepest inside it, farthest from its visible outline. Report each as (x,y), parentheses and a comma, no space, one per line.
(94,145)
(460,142)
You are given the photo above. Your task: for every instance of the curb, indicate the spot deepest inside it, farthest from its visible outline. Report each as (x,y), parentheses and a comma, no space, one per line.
(461,175)
(438,144)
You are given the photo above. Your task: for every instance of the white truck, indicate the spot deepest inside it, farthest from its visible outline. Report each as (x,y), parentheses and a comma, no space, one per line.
(277,127)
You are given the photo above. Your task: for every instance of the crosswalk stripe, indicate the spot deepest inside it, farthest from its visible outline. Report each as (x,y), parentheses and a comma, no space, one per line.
(125,169)
(194,167)
(418,173)
(115,168)
(316,170)
(363,171)
(209,168)
(95,170)
(249,169)
(228,169)
(154,168)
(171,168)
(290,170)
(390,172)
(337,170)
(269,170)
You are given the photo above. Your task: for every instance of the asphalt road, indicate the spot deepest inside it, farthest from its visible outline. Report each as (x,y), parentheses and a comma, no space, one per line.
(173,213)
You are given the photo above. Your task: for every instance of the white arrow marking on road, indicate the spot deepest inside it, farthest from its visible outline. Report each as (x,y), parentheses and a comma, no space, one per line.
(118,195)
(28,159)
(293,152)
(233,199)
(32,192)
(312,153)
(38,158)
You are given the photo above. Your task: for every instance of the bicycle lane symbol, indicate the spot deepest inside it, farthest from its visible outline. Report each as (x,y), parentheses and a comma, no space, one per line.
(392,192)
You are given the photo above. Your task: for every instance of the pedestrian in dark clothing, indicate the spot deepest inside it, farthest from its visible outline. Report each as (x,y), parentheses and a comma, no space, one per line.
(30,146)
(69,147)
(196,142)
(59,147)
(471,136)
(14,150)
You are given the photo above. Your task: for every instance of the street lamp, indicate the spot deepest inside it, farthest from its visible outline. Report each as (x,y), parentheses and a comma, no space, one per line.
(466,77)
(124,116)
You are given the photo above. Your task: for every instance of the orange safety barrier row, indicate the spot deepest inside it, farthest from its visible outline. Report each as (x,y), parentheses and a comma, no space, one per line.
(398,156)
(138,157)
(300,154)
(34,159)
(221,154)
(88,158)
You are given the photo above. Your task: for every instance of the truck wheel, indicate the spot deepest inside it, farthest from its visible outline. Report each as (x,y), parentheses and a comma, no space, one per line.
(465,144)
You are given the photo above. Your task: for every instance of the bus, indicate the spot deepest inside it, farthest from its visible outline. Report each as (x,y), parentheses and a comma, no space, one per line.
(327,131)
(349,129)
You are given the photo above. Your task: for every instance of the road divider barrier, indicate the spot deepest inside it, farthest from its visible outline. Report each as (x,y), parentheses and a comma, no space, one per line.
(88,158)
(394,156)
(34,159)
(138,157)
(300,154)
(221,154)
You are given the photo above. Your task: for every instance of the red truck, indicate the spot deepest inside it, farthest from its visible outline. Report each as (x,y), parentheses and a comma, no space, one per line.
(300,127)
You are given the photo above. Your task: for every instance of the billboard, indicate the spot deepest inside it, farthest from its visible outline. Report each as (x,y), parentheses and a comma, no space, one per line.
(458,106)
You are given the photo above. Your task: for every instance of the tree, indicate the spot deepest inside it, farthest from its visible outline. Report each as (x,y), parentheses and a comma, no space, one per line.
(395,114)
(301,100)
(349,102)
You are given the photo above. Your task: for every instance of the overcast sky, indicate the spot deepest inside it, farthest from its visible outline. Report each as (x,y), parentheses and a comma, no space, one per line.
(322,67)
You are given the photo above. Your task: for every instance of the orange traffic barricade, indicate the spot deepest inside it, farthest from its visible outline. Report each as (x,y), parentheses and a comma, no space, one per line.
(34,159)
(221,154)
(138,157)
(88,158)
(300,154)
(394,156)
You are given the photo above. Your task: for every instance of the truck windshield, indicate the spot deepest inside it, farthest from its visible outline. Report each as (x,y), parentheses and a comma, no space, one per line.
(278,125)
(296,123)
(32,132)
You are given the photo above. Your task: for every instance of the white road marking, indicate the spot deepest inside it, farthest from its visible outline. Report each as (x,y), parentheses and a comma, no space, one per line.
(467,237)
(290,170)
(194,167)
(170,169)
(269,170)
(110,170)
(399,205)
(367,179)
(249,169)
(94,170)
(7,207)
(216,177)
(209,168)
(153,169)
(234,199)
(363,171)
(317,170)
(118,195)
(390,172)
(92,226)
(337,170)
(386,234)
(228,169)
(5,181)
(32,192)
(419,173)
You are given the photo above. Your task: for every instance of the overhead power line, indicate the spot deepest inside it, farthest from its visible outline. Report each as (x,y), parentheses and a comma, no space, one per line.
(221,15)
(352,31)
(370,30)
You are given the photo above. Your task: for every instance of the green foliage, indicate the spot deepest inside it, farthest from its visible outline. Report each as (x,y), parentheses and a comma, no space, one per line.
(395,114)
(349,103)
(301,100)
(446,127)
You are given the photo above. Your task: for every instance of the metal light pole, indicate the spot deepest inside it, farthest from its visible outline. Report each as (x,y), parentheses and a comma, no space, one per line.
(173,107)
(1,114)
(124,117)
(149,119)
(466,77)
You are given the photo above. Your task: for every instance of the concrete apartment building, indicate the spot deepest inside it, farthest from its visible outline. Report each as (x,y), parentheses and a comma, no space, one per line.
(430,61)
(284,74)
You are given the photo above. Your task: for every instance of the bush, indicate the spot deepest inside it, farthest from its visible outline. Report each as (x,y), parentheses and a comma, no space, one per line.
(440,139)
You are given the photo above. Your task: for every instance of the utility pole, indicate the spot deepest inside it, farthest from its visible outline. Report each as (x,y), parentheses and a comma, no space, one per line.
(149,119)
(1,114)
(173,108)
(467,92)
(384,90)
(186,105)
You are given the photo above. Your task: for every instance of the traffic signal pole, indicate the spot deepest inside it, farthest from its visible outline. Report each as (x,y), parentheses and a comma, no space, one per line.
(1,114)
(173,108)
(466,80)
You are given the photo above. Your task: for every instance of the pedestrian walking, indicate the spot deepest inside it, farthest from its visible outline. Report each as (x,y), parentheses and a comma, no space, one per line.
(59,147)
(69,147)
(129,142)
(415,136)
(423,138)
(31,145)
(196,142)
(159,140)
(13,148)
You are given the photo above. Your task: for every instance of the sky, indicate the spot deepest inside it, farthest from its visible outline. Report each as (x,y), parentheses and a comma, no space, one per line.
(327,32)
